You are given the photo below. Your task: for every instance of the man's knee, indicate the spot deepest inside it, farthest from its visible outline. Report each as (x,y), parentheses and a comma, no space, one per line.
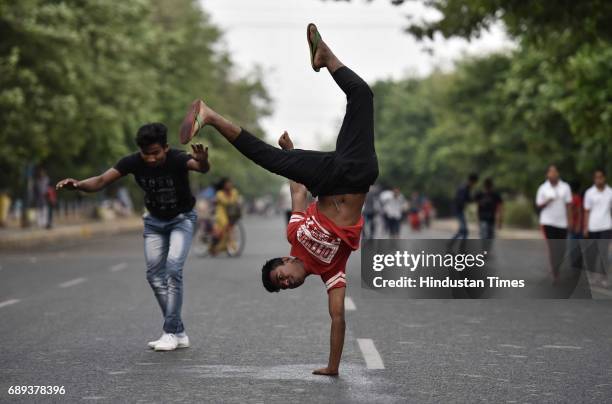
(174,270)
(363,91)
(154,267)
(156,280)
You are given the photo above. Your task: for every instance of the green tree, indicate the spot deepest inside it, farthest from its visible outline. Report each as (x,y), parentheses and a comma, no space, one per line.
(77,79)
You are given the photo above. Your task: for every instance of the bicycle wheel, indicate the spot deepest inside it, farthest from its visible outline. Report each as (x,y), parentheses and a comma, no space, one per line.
(200,241)
(237,240)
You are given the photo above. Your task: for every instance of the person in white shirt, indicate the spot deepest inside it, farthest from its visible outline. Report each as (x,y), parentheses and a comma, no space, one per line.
(394,206)
(553,199)
(598,226)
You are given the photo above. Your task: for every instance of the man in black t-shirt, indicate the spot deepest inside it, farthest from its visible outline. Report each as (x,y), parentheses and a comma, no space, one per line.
(462,198)
(170,222)
(489,210)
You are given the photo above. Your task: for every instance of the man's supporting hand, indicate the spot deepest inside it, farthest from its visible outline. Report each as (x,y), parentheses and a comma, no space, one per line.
(325,372)
(336,312)
(285,141)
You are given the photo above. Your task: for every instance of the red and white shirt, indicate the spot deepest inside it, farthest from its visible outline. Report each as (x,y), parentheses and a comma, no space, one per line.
(323,246)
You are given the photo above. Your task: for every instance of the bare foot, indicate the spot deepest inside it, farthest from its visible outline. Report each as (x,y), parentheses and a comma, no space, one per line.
(323,56)
(285,141)
(322,53)
(205,116)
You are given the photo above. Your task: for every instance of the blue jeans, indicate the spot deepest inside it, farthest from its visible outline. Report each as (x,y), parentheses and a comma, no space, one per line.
(462,233)
(166,245)
(487,230)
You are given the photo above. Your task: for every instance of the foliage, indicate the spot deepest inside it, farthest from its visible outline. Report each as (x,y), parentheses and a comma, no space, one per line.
(78,78)
(504,115)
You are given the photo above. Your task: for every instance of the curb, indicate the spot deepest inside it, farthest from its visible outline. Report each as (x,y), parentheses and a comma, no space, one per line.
(505,233)
(21,239)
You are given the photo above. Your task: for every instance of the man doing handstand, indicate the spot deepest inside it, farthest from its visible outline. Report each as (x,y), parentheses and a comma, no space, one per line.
(323,234)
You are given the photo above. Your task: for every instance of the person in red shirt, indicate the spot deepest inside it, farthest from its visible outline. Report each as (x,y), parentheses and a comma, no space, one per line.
(323,234)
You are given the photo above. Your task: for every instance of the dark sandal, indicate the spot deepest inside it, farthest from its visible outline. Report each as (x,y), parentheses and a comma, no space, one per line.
(187,131)
(313,45)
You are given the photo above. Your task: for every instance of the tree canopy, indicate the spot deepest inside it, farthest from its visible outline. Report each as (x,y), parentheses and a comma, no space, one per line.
(507,114)
(78,78)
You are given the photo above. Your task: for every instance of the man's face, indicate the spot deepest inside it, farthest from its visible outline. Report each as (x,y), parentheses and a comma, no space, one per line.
(154,155)
(552,174)
(289,275)
(599,179)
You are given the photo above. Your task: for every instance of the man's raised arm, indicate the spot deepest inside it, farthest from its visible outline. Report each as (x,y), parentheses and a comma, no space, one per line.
(299,197)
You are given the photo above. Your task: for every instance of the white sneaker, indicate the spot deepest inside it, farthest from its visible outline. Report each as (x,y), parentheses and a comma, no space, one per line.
(182,340)
(151,344)
(168,342)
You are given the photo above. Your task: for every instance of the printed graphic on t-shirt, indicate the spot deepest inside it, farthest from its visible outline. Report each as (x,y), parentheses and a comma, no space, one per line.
(318,241)
(160,192)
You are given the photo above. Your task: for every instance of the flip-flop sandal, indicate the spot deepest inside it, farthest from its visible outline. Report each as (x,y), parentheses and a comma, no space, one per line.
(313,44)
(187,131)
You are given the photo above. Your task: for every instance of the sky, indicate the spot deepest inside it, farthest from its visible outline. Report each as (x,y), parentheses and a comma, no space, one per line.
(366,36)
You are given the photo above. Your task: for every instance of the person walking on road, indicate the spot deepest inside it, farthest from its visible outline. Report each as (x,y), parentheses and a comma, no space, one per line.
(463,197)
(170,223)
(490,206)
(598,227)
(371,209)
(44,207)
(323,234)
(576,226)
(553,199)
(394,206)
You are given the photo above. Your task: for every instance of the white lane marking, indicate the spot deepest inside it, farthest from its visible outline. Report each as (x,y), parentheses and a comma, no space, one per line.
(9,302)
(562,347)
(511,346)
(72,282)
(119,267)
(370,354)
(349,304)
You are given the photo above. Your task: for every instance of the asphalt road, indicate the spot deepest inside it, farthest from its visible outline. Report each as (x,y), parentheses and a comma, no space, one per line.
(79,316)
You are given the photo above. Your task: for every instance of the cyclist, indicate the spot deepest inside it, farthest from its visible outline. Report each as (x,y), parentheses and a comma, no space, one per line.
(227,213)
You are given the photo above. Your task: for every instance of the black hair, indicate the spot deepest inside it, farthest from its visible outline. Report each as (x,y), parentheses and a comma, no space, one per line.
(268,267)
(219,185)
(575,186)
(488,183)
(152,133)
(473,177)
(600,170)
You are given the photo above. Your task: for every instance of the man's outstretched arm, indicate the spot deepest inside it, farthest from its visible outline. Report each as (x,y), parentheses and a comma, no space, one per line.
(336,312)
(92,184)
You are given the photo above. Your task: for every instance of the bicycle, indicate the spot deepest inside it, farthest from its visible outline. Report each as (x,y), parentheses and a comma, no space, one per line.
(234,241)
